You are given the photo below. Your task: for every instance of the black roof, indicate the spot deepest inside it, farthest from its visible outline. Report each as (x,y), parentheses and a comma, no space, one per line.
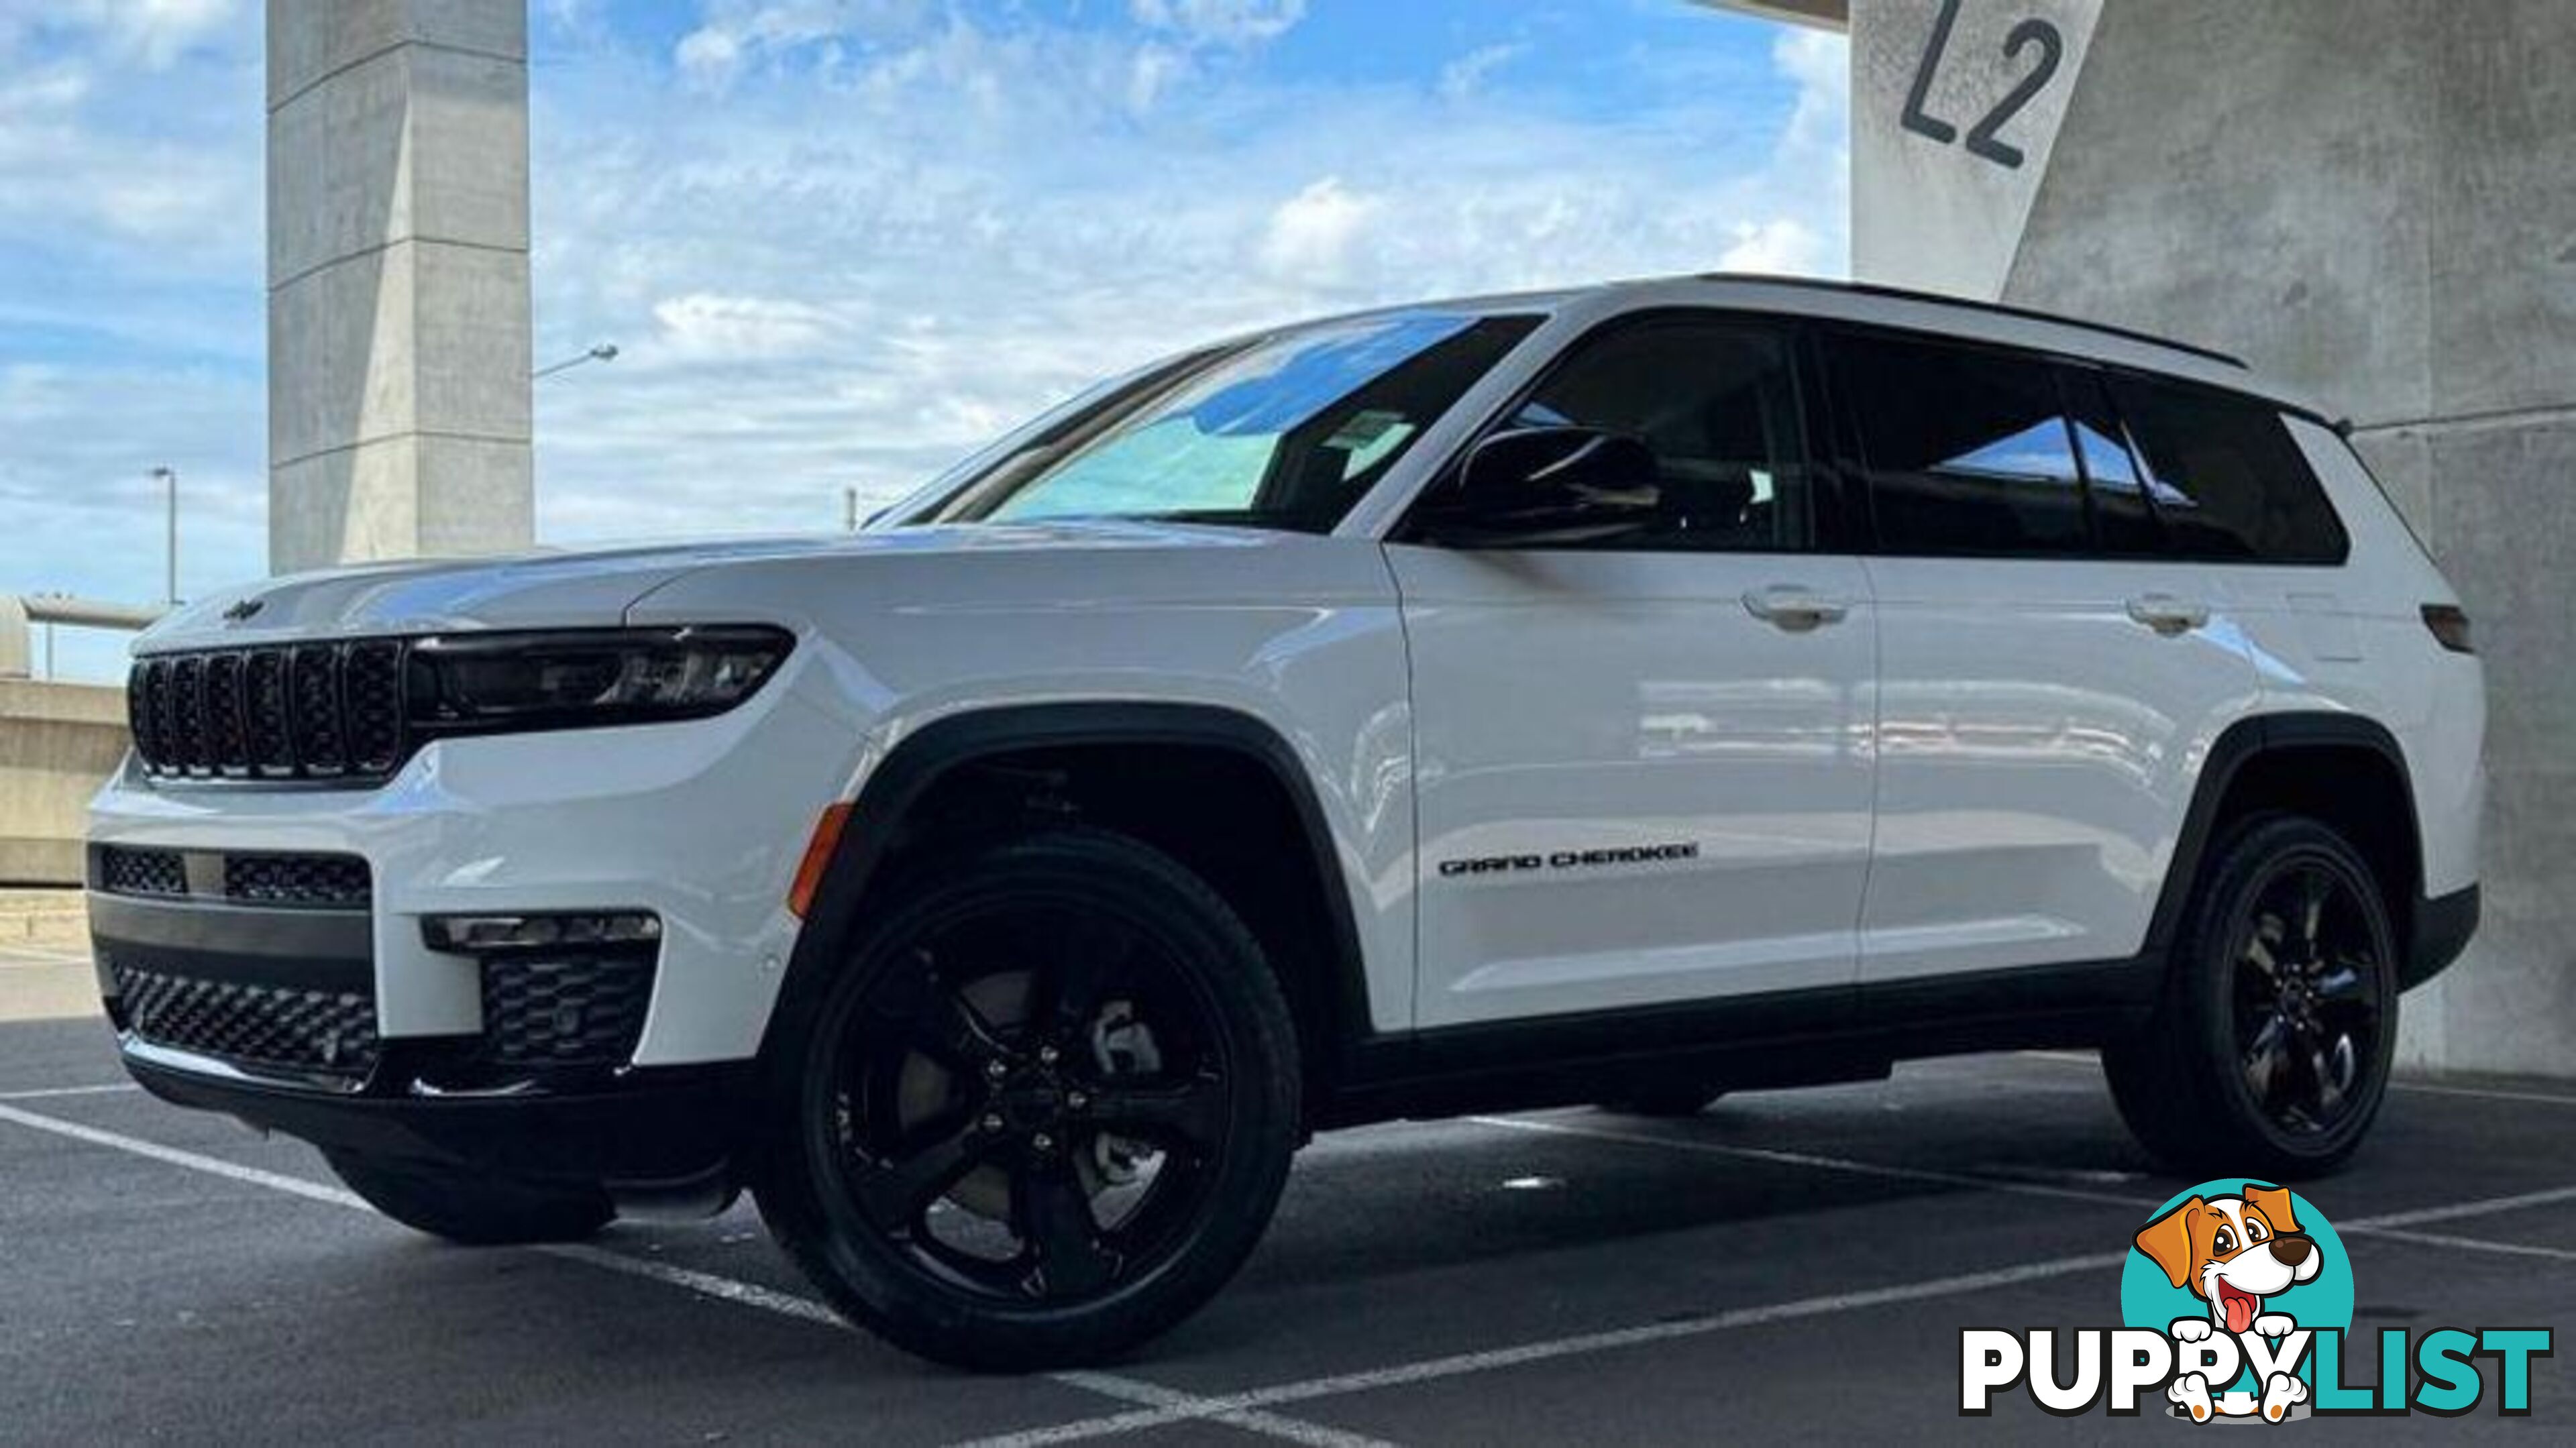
(1874,289)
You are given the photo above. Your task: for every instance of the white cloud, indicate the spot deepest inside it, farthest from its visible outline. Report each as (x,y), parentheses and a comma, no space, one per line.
(845,251)
(161,30)
(853,272)
(705,327)
(94,145)
(152,34)
(1465,76)
(736,33)
(1311,235)
(709,56)
(1782,245)
(1220,22)
(1155,68)
(1819,128)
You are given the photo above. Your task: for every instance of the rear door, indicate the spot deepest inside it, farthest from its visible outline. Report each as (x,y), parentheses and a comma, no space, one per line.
(1643,763)
(2049,675)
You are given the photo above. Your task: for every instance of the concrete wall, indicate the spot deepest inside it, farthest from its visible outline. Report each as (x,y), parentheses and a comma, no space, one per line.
(399,409)
(57,742)
(2375,199)
(1964,210)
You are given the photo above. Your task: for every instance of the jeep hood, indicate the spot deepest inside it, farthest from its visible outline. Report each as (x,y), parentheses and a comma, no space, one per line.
(590,588)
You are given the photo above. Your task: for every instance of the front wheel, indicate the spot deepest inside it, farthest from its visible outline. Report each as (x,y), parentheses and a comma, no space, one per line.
(2270,1051)
(1043,1111)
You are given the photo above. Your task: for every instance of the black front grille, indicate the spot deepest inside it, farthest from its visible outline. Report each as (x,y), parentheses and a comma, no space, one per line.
(332,882)
(372,693)
(264,715)
(141,872)
(186,716)
(281,712)
(336,880)
(265,1027)
(583,1011)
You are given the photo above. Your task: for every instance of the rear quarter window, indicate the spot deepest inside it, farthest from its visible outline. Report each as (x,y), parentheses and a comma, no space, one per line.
(1967,449)
(2227,480)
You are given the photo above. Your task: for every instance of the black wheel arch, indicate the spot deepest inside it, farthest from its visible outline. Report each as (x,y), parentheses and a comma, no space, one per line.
(2290,760)
(942,748)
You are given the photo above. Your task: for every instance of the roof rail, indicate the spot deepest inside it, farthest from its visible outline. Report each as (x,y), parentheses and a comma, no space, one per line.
(1875,289)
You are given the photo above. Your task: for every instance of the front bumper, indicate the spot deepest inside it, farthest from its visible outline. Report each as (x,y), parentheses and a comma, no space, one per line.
(331,1016)
(671,1134)
(266,1013)
(698,824)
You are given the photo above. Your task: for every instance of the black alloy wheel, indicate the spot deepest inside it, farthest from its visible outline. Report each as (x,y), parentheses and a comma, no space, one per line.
(1046,1111)
(2269,1053)
(2308,995)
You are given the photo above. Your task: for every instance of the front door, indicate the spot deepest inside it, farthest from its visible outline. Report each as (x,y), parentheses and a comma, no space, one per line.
(1644,763)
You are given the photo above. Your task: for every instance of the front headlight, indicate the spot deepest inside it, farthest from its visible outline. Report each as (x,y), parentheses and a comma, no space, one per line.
(581,679)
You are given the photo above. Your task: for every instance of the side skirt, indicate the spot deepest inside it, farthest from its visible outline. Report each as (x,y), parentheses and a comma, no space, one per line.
(1788,1038)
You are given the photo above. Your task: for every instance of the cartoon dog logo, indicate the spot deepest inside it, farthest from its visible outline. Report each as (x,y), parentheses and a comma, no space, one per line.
(2234,1253)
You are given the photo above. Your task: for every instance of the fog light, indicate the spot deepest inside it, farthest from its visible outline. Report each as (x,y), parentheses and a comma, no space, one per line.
(480,934)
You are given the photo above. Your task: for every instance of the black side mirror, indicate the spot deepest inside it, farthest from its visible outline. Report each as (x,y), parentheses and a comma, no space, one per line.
(1559,463)
(1541,485)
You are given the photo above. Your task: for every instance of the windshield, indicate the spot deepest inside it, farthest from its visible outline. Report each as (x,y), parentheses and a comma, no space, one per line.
(1286,433)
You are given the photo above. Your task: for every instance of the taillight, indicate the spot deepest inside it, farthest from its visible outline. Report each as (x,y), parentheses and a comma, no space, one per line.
(2450,626)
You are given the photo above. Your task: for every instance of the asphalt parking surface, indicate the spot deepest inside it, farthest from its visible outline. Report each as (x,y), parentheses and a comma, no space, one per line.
(1792,1265)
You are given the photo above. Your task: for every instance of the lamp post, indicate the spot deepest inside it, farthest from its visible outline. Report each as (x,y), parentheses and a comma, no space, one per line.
(603,352)
(168,477)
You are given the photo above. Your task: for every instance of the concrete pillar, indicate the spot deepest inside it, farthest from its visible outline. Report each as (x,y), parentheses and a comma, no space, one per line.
(2370,198)
(16,653)
(398,279)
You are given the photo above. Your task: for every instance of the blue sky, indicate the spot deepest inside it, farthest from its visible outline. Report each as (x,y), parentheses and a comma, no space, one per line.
(840,241)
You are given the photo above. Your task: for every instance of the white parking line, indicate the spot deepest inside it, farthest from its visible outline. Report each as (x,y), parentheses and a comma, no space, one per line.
(1462,1364)
(2465,1244)
(705,1284)
(39,958)
(2390,1227)
(2484,1093)
(1432,1369)
(2420,1088)
(1163,1400)
(1161,1404)
(173,1156)
(1778,1157)
(53,1092)
(1245,1410)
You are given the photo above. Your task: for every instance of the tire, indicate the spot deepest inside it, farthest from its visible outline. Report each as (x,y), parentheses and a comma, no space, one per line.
(2269,1052)
(1672,1102)
(476,1213)
(1041,1112)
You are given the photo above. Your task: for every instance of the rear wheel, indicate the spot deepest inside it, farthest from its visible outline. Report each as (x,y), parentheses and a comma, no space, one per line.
(1044,1111)
(473,1211)
(2270,1051)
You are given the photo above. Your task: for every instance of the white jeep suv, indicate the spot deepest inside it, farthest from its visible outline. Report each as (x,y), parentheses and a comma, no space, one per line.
(1623,695)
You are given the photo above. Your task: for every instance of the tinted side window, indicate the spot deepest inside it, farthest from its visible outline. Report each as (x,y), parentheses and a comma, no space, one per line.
(2227,478)
(1717,402)
(1967,451)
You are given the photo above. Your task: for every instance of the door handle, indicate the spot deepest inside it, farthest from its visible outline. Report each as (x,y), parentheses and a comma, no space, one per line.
(1792,608)
(2167,614)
